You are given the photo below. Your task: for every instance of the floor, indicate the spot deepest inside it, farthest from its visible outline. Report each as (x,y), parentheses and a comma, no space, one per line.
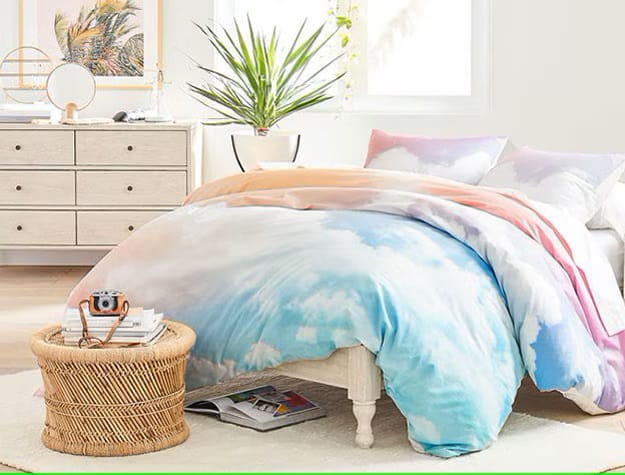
(31,297)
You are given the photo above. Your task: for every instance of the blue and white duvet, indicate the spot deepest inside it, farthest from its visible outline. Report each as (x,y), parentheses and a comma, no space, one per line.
(457,290)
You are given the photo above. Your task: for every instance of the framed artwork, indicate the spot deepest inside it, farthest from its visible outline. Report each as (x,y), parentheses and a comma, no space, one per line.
(119,41)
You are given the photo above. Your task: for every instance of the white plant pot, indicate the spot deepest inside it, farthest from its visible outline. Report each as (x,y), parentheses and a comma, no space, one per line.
(251,150)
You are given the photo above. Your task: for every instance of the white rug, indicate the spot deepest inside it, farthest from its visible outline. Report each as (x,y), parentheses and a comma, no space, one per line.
(526,443)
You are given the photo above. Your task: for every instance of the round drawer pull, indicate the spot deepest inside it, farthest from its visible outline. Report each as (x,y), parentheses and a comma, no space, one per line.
(18,187)
(131,228)
(19,227)
(130,188)
(130,148)
(18,147)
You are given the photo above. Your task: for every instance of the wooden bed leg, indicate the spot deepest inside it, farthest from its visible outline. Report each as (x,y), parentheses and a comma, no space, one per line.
(364,412)
(363,388)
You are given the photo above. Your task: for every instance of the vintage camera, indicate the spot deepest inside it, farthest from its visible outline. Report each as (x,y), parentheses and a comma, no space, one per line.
(107,303)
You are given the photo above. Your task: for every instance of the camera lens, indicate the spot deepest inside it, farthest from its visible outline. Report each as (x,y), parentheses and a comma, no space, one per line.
(106,303)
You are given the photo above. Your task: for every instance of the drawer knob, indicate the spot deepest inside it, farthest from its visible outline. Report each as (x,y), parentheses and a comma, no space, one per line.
(131,228)
(18,147)
(129,188)
(130,148)
(18,187)
(19,227)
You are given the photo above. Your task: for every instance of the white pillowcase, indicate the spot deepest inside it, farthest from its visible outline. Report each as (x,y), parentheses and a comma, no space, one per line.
(612,214)
(578,183)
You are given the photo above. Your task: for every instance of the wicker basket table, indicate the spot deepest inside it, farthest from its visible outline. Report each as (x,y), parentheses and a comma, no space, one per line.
(113,401)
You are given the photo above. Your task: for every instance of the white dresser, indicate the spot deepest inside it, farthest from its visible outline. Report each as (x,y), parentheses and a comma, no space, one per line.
(89,187)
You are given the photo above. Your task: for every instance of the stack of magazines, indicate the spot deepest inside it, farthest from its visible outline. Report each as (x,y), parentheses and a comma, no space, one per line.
(141,326)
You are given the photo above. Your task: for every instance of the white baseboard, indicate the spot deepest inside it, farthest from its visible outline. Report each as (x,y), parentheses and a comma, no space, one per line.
(50,258)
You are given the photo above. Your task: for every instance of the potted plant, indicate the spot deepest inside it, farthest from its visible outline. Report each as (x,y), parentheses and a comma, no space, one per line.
(262,85)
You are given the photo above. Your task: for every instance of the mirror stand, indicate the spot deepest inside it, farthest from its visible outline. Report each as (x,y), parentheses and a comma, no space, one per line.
(71,111)
(71,87)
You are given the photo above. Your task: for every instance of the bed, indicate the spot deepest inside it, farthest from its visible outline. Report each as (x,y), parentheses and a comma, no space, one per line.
(355,369)
(350,368)
(452,291)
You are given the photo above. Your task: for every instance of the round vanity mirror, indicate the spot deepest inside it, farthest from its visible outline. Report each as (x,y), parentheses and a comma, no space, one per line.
(71,87)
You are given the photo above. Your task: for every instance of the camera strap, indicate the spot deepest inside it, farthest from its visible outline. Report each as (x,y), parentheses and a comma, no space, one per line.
(89,341)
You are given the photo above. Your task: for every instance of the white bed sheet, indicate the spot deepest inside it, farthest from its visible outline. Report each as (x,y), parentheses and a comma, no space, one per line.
(612,246)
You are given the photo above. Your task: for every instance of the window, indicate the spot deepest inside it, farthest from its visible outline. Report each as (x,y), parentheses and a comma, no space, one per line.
(423,56)
(419,48)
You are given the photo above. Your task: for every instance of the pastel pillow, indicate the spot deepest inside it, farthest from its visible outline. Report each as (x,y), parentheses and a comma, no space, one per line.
(576,182)
(612,214)
(465,159)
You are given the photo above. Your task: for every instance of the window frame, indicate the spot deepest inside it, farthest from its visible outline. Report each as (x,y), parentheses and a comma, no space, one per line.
(478,102)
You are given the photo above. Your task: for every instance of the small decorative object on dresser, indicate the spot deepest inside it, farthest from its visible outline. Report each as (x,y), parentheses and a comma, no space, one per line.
(70,87)
(89,187)
(24,72)
(113,401)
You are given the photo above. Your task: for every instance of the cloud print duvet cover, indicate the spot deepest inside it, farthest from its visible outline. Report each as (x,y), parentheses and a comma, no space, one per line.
(457,290)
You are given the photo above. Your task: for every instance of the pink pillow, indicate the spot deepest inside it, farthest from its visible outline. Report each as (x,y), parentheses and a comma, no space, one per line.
(464,159)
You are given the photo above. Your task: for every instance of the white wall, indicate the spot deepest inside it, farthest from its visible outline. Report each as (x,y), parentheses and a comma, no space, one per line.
(558,82)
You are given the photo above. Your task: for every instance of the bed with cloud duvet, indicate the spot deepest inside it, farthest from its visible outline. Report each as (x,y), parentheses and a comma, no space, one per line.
(457,290)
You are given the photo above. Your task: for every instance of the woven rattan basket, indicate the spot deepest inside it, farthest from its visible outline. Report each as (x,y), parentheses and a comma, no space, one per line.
(113,401)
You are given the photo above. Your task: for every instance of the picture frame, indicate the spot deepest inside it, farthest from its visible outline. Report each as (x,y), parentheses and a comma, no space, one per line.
(34,17)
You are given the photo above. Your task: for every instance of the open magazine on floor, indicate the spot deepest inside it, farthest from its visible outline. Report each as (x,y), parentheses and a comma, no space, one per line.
(262,408)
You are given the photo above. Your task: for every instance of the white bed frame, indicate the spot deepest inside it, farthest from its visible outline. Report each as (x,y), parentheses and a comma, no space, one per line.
(351,368)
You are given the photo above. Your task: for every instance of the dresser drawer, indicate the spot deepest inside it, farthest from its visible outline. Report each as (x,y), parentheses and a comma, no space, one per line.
(54,228)
(132,147)
(36,147)
(103,228)
(25,187)
(132,188)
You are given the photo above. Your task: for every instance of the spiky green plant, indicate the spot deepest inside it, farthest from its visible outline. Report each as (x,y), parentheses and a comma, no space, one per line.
(264,85)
